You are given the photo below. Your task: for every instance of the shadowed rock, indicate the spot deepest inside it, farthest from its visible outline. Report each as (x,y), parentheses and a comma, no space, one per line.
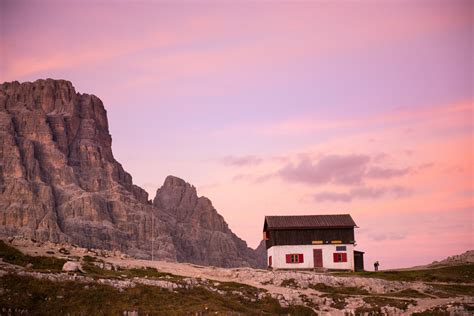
(60,182)
(200,234)
(59,179)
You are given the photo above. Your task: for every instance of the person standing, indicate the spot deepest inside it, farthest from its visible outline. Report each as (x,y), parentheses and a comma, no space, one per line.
(376,265)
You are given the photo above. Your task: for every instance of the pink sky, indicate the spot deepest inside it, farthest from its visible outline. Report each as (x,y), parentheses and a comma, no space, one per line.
(279,108)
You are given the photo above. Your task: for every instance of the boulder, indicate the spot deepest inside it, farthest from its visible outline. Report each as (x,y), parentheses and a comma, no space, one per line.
(72,266)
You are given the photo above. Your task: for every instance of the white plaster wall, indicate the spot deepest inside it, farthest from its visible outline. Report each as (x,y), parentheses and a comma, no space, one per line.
(279,253)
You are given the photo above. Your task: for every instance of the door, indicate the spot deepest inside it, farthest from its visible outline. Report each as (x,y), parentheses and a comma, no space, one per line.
(358,261)
(318,258)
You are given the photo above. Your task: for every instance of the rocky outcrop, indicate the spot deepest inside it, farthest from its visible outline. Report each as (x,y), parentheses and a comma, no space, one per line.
(72,266)
(60,182)
(59,179)
(199,233)
(261,254)
(464,258)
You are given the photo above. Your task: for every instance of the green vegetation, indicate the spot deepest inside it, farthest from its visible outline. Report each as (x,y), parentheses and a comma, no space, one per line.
(455,274)
(308,302)
(377,302)
(88,258)
(267,282)
(435,311)
(95,271)
(407,293)
(338,300)
(14,256)
(233,287)
(321,287)
(450,290)
(442,310)
(291,283)
(339,294)
(40,297)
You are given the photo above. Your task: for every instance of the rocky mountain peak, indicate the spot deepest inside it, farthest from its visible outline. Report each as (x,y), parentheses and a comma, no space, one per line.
(176,197)
(60,182)
(51,96)
(200,234)
(172,181)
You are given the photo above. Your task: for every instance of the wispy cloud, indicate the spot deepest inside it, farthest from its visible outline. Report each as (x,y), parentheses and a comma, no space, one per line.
(338,169)
(363,193)
(241,161)
(387,236)
(330,169)
(446,115)
(384,173)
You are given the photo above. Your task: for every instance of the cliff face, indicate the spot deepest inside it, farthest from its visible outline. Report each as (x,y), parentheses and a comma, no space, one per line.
(59,181)
(199,233)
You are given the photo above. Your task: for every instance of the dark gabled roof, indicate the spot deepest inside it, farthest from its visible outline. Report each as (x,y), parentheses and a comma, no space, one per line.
(309,221)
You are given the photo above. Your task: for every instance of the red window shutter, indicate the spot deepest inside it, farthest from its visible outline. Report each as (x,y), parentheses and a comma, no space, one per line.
(344,257)
(335,257)
(300,258)
(288,258)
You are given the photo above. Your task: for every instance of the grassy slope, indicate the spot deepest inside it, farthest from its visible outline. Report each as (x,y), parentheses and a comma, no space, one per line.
(44,297)
(454,274)
(14,256)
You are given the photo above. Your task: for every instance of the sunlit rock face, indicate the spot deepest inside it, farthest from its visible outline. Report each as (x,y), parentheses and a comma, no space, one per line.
(59,180)
(200,234)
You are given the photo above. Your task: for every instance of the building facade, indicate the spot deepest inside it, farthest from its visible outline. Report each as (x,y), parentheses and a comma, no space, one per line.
(311,241)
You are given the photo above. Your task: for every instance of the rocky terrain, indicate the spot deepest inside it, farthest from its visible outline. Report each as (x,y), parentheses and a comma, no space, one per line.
(464,258)
(60,182)
(179,288)
(200,235)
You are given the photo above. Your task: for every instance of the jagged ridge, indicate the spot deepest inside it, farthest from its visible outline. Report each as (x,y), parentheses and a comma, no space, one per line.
(199,233)
(59,181)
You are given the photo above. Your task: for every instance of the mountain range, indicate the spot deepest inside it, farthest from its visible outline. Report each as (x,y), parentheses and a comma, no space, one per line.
(60,182)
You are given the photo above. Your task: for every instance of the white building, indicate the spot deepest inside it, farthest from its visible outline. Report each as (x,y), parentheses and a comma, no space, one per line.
(312,241)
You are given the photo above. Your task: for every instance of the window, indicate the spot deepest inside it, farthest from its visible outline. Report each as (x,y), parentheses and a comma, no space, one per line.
(294,258)
(340,257)
(340,248)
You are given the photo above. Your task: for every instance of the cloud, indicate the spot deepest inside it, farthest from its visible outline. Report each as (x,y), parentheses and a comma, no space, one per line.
(384,173)
(387,236)
(362,193)
(336,169)
(242,161)
(447,115)
(253,178)
(332,197)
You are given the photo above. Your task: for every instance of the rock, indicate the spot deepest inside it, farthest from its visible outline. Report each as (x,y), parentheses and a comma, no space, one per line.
(64,251)
(59,180)
(261,255)
(200,234)
(71,266)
